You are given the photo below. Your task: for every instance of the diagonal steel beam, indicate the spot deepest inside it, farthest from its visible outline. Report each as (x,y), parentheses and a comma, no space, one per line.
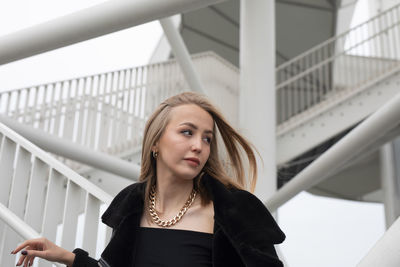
(305,5)
(182,55)
(102,19)
(376,125)
(385,252)
(225,17)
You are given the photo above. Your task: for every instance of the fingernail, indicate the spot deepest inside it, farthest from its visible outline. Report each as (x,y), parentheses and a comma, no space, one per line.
(24,252)
(12,252)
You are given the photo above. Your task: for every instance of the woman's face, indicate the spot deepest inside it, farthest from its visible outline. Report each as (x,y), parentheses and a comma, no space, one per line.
(184,147)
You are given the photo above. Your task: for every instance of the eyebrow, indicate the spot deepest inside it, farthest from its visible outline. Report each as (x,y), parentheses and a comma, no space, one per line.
(195,127)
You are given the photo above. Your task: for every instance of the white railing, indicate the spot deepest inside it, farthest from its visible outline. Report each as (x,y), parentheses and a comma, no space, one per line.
(49,197)
(354,143)
(107,112)
(342,64)
(18,225)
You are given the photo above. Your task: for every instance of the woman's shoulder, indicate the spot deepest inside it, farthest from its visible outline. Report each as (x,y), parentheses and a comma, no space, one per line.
(252,214)
(240,209)
(126,201)
(228,191)
(132,188)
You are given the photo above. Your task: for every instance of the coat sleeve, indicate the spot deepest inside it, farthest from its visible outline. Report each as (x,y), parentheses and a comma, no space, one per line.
(82,259)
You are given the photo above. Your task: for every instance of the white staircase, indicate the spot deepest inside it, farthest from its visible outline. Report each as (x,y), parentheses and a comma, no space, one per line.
(319,94)
(47,196)
(107,112)
(337,84)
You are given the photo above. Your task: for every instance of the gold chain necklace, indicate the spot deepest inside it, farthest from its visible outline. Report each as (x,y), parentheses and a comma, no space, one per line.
(154,215)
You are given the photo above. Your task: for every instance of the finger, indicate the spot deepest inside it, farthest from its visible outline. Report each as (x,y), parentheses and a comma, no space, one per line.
(31,261)
(37,253)
(23,245)
(23,256)
(21,260)
(30,242)
(26,261)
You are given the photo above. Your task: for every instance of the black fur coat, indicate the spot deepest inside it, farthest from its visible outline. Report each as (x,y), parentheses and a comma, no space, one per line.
(244,230)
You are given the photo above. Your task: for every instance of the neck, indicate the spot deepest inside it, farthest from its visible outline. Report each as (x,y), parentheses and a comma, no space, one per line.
(171,194)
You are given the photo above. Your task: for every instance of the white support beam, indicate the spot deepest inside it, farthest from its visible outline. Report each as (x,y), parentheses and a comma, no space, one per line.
(182,55)
(74,151)
(390,187)
(376,125)
(102,19)
(386,252)
(257,119)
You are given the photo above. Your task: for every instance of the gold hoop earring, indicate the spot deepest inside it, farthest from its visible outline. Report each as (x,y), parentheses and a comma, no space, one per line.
(155,154)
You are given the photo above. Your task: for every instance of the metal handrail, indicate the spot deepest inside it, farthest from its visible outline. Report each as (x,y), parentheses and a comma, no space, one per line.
(44,193)
(333,39)
(19,226)
(338,66)
(377,124)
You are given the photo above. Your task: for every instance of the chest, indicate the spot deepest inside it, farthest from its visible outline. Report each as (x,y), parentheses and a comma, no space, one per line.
(123,246)
(198,218)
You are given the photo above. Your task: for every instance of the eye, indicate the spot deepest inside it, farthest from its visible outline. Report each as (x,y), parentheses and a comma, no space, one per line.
(186,132)
(208,140)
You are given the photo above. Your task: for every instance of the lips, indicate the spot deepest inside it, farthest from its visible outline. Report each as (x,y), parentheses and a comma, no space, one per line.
(195,160)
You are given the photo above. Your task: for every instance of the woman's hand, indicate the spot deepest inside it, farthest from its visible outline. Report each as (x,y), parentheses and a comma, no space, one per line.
(43,248)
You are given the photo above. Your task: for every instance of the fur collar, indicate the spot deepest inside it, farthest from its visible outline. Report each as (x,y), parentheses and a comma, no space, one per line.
(240,214)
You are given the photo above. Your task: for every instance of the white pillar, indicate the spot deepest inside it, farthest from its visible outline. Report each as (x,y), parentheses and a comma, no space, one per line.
(257,120)
(390,185)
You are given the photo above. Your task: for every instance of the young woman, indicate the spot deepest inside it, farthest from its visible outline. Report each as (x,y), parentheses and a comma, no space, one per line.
(189,208)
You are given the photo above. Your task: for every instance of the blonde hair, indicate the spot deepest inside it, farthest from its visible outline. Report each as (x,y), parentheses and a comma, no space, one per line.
(156,125)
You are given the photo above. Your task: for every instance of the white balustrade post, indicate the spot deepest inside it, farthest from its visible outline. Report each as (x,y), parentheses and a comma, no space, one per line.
(7,154)
(16,202)
(257,87)
(390,186)
(92,207)
(70,216)
(37,194)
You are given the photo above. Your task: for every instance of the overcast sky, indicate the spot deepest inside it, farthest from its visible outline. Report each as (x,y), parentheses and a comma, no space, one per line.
(321,232)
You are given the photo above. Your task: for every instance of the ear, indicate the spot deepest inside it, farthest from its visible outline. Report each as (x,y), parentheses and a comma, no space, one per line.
(155,147)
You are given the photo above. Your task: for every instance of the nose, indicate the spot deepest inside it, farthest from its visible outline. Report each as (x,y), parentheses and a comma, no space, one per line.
(196,144)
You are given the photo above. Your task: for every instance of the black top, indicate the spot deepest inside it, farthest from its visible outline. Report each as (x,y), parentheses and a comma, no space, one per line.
(162,247)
